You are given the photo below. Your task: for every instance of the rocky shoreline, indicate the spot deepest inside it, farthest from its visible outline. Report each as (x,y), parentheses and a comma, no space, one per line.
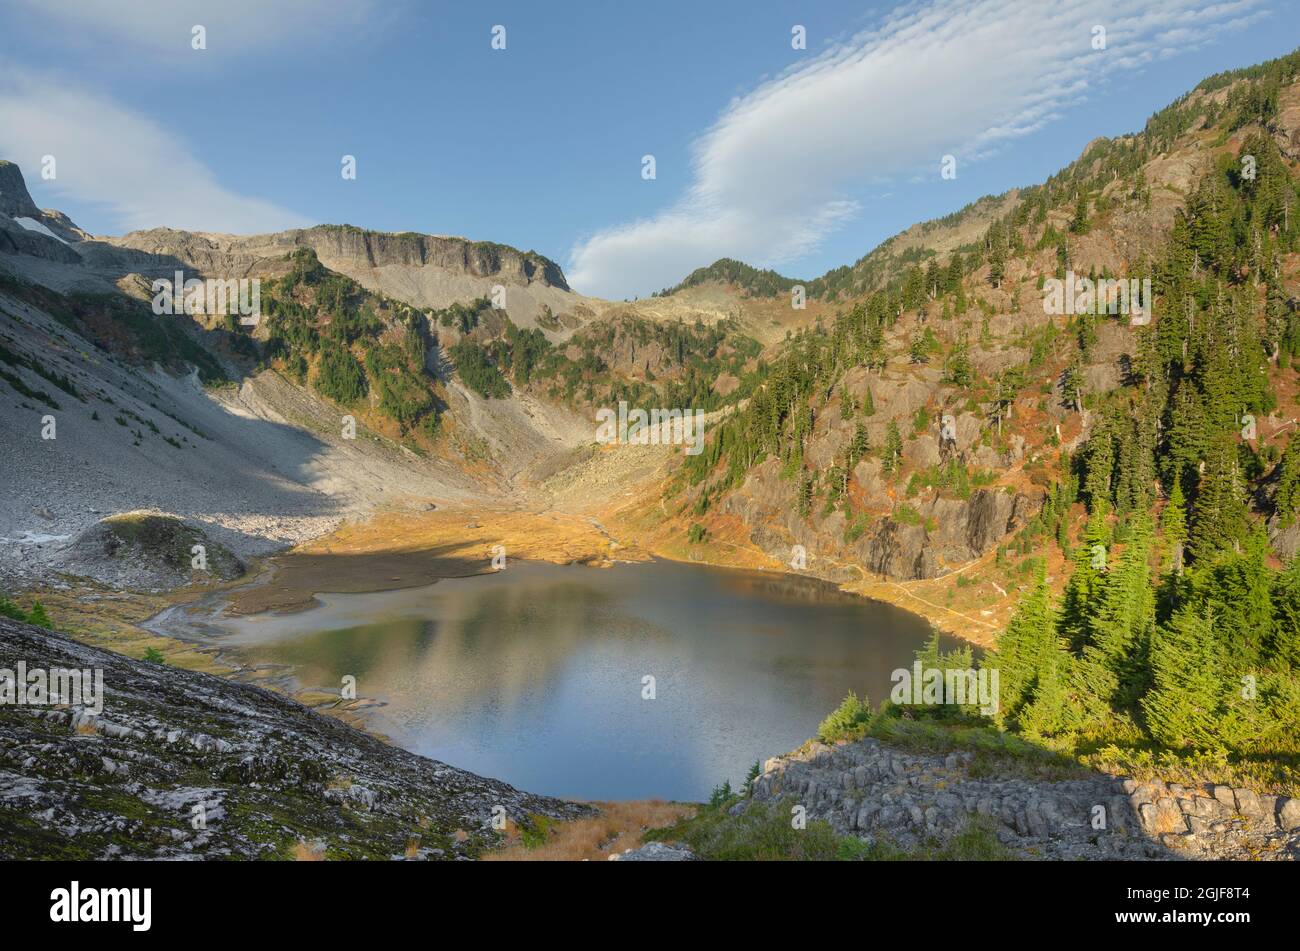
(879,792)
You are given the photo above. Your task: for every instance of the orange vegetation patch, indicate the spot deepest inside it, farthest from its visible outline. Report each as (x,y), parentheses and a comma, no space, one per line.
(308,851)
(619,826)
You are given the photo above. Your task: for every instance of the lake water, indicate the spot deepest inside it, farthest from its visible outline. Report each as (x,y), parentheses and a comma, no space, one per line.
(536,674)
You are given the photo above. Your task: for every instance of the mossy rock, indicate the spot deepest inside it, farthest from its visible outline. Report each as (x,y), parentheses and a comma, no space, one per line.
(155,549)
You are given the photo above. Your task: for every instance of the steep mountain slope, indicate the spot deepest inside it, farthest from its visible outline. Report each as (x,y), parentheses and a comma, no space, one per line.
(337,400)
(260,462)
(183,765)
(1103,485)
(844,448)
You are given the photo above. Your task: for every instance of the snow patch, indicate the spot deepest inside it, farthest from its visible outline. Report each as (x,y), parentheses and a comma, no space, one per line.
(31,224)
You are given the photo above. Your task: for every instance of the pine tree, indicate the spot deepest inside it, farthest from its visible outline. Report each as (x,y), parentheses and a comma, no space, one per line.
(1284,636)
(1287,500)
(804,495)
(10,610)
(1173,528)
(959,370)
(917,350)
(1053,709)
(1079,223)
(1084,586)
(1238,590)
(1185,703)
(893,447)
(1099,460)
(1022,649)
(1112,671)
(953,276)
(1219,515)
(934,282)
(859,445)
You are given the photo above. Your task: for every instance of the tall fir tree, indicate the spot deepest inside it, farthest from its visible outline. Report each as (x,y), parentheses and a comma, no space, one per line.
(1022,649)
(1185,705)
(1113,672)
(1173,528)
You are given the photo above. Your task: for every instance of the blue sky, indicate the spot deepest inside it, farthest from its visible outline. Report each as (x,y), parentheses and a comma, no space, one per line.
(802,160)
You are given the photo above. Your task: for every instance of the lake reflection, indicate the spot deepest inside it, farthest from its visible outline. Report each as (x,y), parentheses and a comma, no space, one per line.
(534,675)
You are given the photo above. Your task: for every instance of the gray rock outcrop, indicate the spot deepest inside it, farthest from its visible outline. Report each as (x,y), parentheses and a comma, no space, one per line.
(908,798)
(181,765)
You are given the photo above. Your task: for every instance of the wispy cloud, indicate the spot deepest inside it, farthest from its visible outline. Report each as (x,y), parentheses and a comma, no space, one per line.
(141,173)
(780,169)
(234,27)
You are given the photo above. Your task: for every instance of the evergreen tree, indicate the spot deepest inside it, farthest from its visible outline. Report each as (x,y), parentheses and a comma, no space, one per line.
(1286,502)
(804,495)
(1185,704)
(917,350)
(11,610)
(1079,223)
(1054,709)
(959,371)
(1237,589)
(1113,670)
(1219,515)
(1173,528)
(859,445)
(893,455)
(1022,649)
(953,275)
(1284,635)
(1081,591)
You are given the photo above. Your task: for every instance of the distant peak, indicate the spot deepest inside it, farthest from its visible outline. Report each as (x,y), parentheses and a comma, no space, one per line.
(15,200)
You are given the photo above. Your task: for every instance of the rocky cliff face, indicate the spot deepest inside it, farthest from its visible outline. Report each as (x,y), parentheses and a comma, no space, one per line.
(185,765)
(16,202)
(421,269)
(938,535)
(243,256)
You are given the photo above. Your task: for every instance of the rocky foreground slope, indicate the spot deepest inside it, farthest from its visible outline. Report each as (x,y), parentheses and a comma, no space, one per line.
(185,765)
(906,798)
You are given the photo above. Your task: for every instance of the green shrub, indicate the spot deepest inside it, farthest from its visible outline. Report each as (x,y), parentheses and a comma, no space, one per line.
(904,514)
(848,721)
(535,830)
(38,616)
(764,833)
(10,610)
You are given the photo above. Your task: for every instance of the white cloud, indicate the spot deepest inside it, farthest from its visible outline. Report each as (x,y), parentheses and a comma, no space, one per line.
(234,27)
(140,172)
(780,169)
